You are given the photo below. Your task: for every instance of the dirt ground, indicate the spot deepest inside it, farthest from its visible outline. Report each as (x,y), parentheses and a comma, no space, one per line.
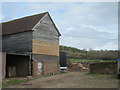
(71,80)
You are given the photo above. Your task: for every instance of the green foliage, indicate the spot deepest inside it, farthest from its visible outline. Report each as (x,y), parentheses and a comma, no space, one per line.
(75,53)
(87,60)
(17,81)
(96,74)
(48,75)
(71,49)
(13,82)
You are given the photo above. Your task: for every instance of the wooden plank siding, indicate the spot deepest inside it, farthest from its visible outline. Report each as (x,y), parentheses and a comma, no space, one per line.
(47,48)
(45,39)
(19,42)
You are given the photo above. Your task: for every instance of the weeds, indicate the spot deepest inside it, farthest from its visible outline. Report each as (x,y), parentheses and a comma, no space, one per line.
(96,74)
(17,81)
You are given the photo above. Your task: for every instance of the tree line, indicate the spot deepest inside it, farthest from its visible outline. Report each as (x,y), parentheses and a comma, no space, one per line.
(75,53)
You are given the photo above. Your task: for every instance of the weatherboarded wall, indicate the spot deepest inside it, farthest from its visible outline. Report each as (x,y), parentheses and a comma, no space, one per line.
(45,39)
(104,67)
(42,57)
(46,31)
(44,47)
(45,44)
(19,42)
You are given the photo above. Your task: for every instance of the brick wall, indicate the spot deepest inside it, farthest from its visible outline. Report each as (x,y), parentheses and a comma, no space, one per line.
(3,66)
(35,68)
(104,67)
(50,67)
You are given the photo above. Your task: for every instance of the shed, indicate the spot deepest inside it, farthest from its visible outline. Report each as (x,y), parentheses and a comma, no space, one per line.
(35,41)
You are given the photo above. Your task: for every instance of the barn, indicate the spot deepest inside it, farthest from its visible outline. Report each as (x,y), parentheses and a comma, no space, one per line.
(30,46)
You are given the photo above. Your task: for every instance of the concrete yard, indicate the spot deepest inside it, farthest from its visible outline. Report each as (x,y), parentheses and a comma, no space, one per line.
(72,80)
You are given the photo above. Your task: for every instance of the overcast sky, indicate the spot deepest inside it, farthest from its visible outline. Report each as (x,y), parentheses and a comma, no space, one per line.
(84,25)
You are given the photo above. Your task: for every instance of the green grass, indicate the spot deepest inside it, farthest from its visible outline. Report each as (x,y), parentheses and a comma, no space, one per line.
(86,60)
(14,82)
(54,74)
(17,81)
(96,74)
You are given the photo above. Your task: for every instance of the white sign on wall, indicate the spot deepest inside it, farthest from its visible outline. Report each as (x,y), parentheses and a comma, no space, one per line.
(39,67)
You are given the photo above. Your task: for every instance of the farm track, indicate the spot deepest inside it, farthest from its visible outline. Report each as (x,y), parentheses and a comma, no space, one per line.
(71,80)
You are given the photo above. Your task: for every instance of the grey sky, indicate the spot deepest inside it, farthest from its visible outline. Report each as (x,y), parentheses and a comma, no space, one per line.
(83,25)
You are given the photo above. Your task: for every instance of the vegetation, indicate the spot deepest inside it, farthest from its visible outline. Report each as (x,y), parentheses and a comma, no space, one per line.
(14,82)
(86,60)
(54,74)
(74,53)
(96,74)
(18,81)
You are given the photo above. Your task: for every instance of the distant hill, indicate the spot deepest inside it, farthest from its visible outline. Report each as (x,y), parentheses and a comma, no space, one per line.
(72,49)
(76,53)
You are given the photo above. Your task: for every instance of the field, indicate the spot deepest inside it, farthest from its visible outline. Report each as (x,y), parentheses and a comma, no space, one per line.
(86,60)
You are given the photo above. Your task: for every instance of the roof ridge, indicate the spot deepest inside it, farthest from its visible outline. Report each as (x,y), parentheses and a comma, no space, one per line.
(24,17)
(21,24)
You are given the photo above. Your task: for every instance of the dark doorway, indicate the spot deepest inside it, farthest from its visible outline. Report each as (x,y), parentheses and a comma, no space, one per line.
(17,65)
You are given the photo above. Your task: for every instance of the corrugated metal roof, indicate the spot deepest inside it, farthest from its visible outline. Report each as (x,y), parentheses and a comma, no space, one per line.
(21,25)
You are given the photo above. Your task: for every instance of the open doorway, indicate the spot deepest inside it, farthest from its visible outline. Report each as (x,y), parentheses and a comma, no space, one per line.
(17,65)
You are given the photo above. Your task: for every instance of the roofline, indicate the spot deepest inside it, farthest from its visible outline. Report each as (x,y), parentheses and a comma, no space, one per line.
(17,33)
(23,17)
(54,24)
(39,21)
(18,54)
(46,13)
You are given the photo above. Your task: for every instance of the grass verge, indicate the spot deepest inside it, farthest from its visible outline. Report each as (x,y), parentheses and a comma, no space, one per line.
(14,82)
(54,74)
(17,81)
(96,74)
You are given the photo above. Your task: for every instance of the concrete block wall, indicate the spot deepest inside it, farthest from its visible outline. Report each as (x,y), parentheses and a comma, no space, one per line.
(103,67)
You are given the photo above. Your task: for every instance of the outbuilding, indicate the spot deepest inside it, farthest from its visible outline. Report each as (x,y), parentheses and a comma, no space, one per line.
(30,46)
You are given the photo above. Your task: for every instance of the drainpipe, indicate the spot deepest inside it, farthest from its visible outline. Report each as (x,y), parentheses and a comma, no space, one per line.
(30,64)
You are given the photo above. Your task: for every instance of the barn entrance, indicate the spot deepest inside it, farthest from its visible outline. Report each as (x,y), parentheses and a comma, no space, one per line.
(17,65)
